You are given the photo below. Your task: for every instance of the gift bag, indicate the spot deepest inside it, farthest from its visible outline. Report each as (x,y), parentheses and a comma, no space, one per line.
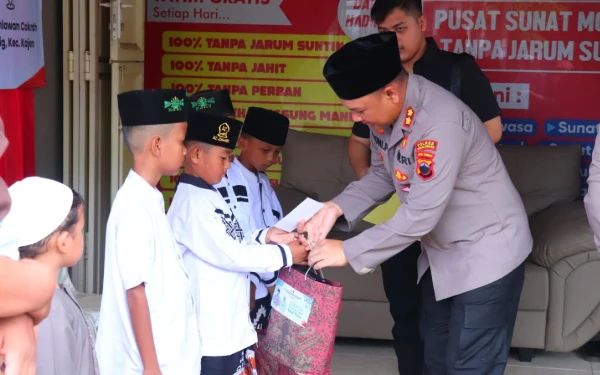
(301,339)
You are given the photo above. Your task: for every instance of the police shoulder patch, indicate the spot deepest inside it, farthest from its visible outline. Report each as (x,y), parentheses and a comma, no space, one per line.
(426,144)
(424,168)
(425,155)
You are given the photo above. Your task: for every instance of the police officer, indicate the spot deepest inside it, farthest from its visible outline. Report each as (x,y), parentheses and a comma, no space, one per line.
(457,198)
(459,74)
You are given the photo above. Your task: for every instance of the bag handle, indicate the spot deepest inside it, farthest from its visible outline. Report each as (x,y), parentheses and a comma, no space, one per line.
(310,273)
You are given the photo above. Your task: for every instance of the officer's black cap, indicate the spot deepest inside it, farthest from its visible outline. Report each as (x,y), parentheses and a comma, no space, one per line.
(153,107)
(213,101)
(363,66)
(267,126)
(214,129)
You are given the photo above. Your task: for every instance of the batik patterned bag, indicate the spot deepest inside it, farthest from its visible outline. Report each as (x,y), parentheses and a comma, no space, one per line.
(289,348)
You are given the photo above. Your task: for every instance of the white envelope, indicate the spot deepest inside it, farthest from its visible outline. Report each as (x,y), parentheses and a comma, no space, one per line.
(304,211)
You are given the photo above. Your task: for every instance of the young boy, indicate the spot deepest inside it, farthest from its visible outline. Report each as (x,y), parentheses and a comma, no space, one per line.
(215,250)
(213,101)
(250,196)
(148,322)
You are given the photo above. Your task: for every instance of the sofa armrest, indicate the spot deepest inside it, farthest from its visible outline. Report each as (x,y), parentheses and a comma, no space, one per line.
(559,232)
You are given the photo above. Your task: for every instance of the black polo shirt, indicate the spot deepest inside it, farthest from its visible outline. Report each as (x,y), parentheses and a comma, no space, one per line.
(442,67)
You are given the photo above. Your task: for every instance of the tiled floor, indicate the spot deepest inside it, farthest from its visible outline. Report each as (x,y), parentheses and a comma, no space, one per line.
(354,357)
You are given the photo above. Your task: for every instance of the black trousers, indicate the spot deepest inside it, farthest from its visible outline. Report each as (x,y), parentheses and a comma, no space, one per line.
(401,289)
(470,334)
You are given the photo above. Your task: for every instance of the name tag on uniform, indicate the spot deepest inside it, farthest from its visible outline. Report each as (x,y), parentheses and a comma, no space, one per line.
(291,303)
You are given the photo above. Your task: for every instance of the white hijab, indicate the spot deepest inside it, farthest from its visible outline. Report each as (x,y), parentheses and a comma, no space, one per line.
(39,207)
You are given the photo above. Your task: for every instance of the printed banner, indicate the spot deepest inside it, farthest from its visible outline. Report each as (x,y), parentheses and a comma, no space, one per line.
(267,53)
(21,44)
(543,60)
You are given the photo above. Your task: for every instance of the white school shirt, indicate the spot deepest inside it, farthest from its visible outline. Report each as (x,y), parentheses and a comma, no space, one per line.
(253,201)
(140,248)
(219,258)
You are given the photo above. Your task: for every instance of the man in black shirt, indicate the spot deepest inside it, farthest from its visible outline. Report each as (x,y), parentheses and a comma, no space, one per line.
(459,74)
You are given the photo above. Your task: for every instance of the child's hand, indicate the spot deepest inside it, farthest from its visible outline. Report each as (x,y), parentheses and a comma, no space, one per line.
(281,237)
(299,253)
(17,345)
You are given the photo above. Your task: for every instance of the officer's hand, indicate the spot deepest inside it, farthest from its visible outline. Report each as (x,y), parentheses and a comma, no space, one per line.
(327,253)
(280,237)
(320,224)
(18,345)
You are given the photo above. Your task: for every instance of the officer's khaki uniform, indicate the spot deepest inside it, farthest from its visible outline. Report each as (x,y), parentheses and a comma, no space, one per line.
(458,199)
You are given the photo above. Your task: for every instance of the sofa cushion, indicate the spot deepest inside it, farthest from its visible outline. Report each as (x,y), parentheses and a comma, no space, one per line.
(316,164)
(561,231)
(543,175)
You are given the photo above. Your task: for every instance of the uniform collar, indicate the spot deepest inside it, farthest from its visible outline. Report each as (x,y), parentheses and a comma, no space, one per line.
(412,103)
(143,187)
(194,181)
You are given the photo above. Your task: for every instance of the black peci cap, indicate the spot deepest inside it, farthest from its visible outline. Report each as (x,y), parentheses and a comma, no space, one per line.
(268,126)
(214,129)
(363,65)
(153,107)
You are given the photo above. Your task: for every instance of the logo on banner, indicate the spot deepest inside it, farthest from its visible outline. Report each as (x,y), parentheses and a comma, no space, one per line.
(511,95)
(10,5)
(519,127)
(586,147)
(572,128)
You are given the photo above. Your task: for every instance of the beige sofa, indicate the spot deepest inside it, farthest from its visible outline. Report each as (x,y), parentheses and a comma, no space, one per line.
(560,302)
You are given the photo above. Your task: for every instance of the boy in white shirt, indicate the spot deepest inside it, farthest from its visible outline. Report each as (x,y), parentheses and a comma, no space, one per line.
(247,190)
(215,250)
(148,322)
